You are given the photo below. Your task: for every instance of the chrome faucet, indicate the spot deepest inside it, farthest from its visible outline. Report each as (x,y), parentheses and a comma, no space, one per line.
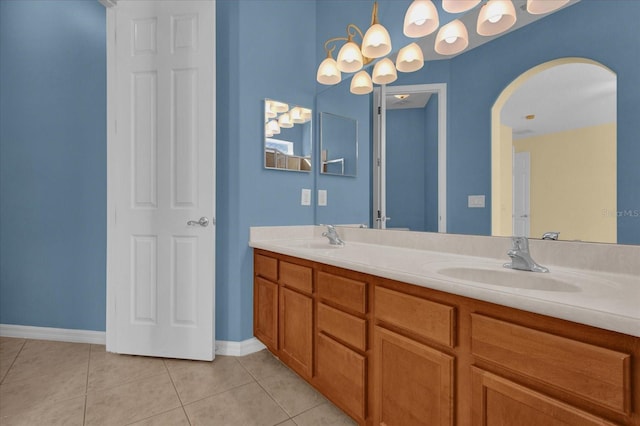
(521,258)
(553,235)
(332,235)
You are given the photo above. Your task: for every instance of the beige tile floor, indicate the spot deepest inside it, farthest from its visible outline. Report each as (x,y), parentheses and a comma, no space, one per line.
(57,383)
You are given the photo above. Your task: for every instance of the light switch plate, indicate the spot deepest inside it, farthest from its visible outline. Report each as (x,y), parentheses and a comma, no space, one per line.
(305,198)
(476,201)
(322,197)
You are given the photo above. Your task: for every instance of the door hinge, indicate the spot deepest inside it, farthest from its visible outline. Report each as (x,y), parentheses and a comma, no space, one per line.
(379,110)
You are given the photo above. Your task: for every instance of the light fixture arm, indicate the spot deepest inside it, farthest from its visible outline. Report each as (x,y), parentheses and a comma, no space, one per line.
(352,31)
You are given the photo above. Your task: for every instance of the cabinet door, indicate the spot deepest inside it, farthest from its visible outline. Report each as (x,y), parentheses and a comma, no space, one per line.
(341,374)
(413,382)
(265,312)
(296,331)
(498,401)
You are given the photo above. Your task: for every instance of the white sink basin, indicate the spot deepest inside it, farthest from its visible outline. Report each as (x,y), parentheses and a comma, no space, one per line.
(509,278)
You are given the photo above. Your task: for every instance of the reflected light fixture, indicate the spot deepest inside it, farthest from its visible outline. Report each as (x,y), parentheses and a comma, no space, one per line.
(284,121)
(361,84)
(539,7)
(384,72)
(410,58)
(459,6)
(296,115)
(452,38)
(496,16)
(273,128)
(421,19)
(268,110)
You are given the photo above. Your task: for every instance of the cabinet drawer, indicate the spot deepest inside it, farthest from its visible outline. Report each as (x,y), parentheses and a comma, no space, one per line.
(296,276)
(345,292)
(342,372)
(266,267)
(591,372)
(432,320)
(352,330)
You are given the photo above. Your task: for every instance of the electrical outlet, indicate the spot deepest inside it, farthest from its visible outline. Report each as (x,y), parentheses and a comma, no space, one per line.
(476,201)
(322,197)
(305,197)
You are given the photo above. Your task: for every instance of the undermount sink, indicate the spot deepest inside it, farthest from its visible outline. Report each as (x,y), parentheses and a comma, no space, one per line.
(312,244)
(509,278)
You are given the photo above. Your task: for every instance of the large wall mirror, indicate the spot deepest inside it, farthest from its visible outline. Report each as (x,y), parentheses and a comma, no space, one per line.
(338,145)
(475,81)
(287,136)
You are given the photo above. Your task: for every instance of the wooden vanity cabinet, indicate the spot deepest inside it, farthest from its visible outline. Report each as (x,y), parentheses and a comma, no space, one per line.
(395,354)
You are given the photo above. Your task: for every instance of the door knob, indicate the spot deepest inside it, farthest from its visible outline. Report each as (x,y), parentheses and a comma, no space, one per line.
(202,222)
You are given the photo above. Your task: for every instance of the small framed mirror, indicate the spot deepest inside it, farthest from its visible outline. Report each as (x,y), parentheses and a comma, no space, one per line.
(287,136)
(338,145)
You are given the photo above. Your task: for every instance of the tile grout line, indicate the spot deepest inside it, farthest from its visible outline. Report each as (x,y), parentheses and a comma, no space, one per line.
(24,342)
(164,362)
(86,387)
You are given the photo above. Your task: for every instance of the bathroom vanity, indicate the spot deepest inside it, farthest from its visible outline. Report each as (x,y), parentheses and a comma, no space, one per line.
(394,344)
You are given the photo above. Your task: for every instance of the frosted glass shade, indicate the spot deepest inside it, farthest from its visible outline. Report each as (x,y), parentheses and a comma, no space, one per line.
(328,72)
(279,106)
(284,121)
(306,114)
(349,57)
(273,127)
(452,38)
(296,115)
(459,6)
(410,58)
(495,17)
(421,19)
(384,72)
(268,110)
(539,7)
(376,42)
(361,84)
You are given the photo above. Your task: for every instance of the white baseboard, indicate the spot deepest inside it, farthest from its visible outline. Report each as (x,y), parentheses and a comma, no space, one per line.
(49,333)
(245,347)
(222,347)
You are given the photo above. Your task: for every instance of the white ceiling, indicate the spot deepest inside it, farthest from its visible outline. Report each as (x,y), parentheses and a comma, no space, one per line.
(564,97)
(415,100)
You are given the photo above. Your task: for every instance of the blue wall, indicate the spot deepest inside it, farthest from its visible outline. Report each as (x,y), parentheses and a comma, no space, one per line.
(275,62)
(53,164)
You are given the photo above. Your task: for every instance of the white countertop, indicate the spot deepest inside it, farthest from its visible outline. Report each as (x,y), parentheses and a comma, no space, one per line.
(600,299)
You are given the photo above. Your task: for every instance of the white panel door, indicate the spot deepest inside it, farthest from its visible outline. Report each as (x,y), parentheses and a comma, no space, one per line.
(521,194)
(161,268)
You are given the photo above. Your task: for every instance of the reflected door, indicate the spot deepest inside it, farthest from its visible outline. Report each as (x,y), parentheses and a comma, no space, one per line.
(521,194)
(161,183)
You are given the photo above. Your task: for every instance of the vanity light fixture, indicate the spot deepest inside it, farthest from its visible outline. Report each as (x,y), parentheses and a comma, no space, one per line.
(296,115)
(376,43)
(459,6)
(539,7)
(421,19)
(279,107)
(496,16)
(452,38)
(410,58)
(268,110)
(361,84)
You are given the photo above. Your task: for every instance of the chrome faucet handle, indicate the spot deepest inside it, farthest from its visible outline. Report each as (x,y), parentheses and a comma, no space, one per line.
(552,235)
